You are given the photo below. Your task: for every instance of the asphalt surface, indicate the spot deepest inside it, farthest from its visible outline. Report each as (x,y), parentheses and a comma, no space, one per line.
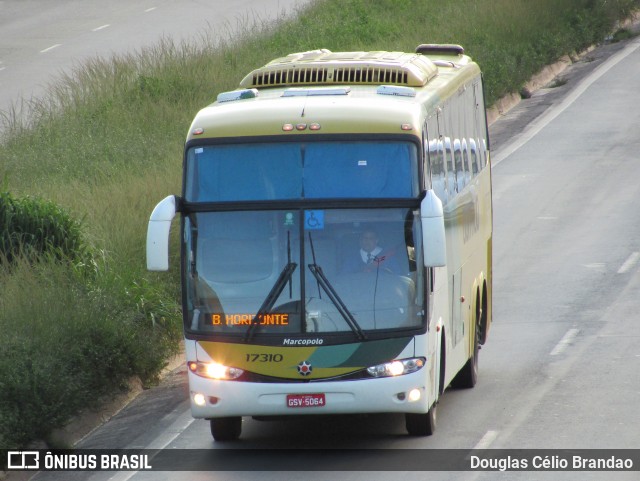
(41,40)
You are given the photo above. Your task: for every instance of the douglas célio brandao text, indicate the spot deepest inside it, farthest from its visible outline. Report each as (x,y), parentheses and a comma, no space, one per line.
(568,462)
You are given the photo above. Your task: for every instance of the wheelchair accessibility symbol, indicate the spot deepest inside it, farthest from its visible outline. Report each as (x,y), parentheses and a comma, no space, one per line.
(314,219)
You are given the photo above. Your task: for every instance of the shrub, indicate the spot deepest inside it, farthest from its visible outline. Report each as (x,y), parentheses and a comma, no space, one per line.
(33,227)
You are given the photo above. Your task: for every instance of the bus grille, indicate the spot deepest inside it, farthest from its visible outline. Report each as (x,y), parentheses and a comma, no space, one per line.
(323,67)
(338,75)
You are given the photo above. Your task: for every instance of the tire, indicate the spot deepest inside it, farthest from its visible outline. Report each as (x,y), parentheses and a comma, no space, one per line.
(482,336)
(226,429)
(468,375)
(421,424)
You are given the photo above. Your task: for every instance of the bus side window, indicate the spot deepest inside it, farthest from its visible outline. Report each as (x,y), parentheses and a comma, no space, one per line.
(451,171)
(459,165)
(465,162)
(475,159)
(438,180)
(483,152)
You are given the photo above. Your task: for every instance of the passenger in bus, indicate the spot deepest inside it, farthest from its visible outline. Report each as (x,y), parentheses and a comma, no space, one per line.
(371,257)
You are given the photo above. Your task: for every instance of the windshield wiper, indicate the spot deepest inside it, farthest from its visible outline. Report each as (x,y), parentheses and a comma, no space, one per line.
(271,298)
(276,290)
(316,270)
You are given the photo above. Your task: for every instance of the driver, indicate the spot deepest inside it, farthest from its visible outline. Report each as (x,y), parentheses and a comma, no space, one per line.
(371,257)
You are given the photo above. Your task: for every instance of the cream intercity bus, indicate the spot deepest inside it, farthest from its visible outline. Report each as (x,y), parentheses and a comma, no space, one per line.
(336,226)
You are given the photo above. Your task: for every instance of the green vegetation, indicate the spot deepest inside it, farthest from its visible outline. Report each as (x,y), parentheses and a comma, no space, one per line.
(65,344)
(106,146)
(71,332)
(32,227)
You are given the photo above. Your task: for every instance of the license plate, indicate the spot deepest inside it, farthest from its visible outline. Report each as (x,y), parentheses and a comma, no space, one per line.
(305,400)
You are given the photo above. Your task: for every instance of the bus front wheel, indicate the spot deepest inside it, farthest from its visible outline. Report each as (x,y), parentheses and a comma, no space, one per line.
(421,424)
(226,429)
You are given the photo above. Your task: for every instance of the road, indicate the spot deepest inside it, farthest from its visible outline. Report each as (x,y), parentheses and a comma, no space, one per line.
(40,39)
(561,367)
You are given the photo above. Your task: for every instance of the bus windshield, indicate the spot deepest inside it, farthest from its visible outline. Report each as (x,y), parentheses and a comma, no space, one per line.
(300,271)
(299,170)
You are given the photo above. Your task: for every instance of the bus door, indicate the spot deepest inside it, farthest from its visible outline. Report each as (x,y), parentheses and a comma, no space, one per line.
(457,322)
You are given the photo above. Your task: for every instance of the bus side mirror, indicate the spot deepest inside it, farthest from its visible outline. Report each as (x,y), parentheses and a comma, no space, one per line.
(158,234)
(433,236)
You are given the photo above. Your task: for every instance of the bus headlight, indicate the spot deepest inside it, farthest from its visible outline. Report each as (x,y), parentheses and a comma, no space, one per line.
(214,370)
(397,368)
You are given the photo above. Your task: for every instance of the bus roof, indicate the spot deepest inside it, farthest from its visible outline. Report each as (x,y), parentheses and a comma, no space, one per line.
(338,92)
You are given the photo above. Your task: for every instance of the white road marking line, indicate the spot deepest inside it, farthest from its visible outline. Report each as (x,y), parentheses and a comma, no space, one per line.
(101,27)
(565,341)
(149,9)
(172,432)
(629,263)
(546,118)
(595,265)
(162,441)
(486,440)
(547,218)
(51,48)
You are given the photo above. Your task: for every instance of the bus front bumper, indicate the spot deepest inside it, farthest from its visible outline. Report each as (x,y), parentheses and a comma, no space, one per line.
(401,394)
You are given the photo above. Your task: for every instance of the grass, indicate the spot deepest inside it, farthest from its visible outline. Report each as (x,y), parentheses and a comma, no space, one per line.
(66,345)
(106,144)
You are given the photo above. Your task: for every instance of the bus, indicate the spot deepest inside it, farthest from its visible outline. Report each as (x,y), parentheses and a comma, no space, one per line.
(335,237)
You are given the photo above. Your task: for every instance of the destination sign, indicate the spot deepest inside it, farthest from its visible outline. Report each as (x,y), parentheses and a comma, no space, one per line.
(271,319)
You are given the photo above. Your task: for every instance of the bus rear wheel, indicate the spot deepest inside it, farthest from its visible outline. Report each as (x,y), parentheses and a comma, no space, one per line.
(226,429)
(468,375)
(421,424)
